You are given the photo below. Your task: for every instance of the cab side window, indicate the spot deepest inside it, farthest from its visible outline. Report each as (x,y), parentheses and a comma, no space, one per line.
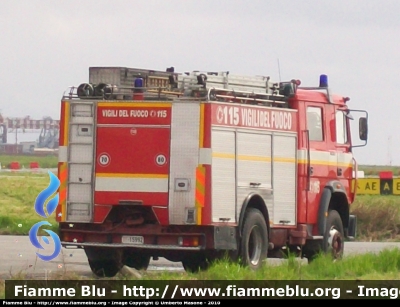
(341,128)
(314,123)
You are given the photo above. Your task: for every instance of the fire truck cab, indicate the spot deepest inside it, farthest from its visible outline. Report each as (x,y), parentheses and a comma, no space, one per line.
(199,165)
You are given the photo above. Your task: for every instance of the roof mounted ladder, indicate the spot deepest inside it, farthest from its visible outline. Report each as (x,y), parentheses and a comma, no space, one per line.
(222,86)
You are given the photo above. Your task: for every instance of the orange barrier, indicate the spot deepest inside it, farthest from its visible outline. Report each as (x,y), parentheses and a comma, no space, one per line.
(14,165)
(34,165)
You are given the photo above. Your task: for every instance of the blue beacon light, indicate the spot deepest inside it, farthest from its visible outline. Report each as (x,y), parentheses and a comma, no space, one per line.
(138,82)
(138,92)
(323,81)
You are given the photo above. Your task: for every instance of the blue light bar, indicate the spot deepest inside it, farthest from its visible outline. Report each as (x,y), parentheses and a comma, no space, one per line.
(323,81)
(138,82)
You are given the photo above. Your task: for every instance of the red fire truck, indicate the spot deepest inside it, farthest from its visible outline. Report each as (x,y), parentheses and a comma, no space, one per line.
(198,165)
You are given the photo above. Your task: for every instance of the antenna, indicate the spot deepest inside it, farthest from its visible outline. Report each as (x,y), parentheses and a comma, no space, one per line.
(279,70)
(389,150)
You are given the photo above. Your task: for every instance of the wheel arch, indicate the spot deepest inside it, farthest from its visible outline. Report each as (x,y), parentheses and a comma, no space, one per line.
(253,200)
(334,197)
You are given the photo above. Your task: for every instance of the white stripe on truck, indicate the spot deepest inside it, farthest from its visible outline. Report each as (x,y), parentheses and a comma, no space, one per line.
(118,184)
(62,154)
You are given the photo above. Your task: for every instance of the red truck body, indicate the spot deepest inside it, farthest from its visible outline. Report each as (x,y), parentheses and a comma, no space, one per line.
(195,166)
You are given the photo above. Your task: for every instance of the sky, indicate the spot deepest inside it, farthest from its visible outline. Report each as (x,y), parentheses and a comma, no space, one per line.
(47,46)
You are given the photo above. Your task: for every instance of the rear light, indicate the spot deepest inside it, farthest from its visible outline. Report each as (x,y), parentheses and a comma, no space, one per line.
(188,241)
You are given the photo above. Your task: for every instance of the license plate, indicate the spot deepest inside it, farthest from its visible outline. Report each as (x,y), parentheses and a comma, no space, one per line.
(133,239)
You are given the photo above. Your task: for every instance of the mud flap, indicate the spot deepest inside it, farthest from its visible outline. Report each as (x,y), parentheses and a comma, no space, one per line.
(323,210)
(352,229)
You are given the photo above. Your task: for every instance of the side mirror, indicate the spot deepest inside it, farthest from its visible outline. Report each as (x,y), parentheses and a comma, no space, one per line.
(363,128)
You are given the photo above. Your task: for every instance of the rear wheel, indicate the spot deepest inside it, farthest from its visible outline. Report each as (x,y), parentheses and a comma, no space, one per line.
(104,268)
(254,243)
(104,262)
(195,263)
(136,260)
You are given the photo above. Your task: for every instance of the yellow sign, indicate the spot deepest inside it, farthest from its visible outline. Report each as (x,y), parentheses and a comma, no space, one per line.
(370,186)
(396,186)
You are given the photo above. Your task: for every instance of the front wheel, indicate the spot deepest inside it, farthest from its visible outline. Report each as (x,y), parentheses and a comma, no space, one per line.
(333,242)
(254,242)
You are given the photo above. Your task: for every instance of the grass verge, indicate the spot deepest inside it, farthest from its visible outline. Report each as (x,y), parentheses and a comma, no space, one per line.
(384,265)
(49,161)
(378,217)
(17,197)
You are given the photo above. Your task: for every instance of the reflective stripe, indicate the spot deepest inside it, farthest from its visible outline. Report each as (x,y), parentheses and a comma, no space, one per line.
(130,104)
(62,190)
(201,126)
(205,156)
(131,184)
(65,123)
(200,191)
(130,175)
(62,154)
(326,158)
(316,157)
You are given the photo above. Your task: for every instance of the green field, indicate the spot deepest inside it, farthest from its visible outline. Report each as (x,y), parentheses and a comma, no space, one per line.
(373,170)
(50,161)
(378,215)
(17,197)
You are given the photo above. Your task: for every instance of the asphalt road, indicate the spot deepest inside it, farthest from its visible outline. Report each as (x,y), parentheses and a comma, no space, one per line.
(18,259)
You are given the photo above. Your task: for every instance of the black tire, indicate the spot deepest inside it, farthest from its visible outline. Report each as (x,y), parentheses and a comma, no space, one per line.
(136,260)
(312,250)
(104,268)
(104,262)
(333,242)
(195,263)
(254,242)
